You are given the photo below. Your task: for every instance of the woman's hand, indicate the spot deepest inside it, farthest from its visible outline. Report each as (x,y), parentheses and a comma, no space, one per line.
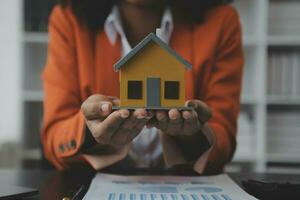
(186,123)
(116,128)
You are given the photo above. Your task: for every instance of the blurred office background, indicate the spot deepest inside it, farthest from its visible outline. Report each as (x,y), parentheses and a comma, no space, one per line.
(269,123)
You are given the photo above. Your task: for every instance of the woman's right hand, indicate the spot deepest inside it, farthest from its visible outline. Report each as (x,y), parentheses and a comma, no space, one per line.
(116,128)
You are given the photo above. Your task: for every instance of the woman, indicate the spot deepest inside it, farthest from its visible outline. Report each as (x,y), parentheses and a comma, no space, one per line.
(88,37)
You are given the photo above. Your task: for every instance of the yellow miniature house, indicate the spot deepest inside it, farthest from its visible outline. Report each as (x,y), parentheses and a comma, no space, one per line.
(152,76)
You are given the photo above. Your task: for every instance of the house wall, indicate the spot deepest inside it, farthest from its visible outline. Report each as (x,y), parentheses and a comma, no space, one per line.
(152,61)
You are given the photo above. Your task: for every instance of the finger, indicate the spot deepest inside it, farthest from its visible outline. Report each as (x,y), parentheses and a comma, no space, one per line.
(139,126)
(105,129)
(152,123)
(191,123)
(121,135)
(116,102)
(98,97)
(93,126)
(128,127)
(162,119)
(203,111)
(136,130)
(175,122)
(96,110)
(112,98)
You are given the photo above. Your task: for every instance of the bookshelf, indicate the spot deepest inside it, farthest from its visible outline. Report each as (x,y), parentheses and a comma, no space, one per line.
(273,81)
(270,28)
(34,44)
(35,37)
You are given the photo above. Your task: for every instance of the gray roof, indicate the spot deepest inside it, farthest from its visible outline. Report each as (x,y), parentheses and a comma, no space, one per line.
(143,43)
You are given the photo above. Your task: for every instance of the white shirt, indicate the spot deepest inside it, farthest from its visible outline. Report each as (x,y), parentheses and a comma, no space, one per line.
(146,148)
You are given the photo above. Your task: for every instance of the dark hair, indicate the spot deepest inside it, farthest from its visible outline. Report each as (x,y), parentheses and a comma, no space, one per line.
(93,13)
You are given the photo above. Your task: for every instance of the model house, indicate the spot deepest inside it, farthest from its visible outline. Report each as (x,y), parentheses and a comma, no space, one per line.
(152,75)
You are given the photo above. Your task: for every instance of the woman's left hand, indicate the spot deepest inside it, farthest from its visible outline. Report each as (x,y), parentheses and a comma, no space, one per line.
(185,123)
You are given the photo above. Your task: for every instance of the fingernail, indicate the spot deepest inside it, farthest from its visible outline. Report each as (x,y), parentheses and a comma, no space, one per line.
(124,114)
(105,107)
(172,114)
(186,115)
(141,116)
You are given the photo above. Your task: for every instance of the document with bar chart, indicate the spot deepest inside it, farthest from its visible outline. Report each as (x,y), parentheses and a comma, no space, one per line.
(113,187)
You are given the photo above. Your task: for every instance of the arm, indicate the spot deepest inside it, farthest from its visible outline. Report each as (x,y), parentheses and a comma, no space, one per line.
(64,134)
(69,115)
(212,145)
(223,94)
(64,126)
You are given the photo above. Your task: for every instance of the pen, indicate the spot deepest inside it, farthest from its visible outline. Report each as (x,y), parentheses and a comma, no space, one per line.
(77,195)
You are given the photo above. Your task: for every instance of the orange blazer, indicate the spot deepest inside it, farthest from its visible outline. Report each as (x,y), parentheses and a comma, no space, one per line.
(80,64)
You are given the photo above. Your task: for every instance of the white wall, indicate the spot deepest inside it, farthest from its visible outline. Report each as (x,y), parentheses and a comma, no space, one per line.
(10,70)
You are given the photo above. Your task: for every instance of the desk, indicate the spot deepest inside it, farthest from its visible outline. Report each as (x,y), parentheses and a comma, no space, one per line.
(56,185)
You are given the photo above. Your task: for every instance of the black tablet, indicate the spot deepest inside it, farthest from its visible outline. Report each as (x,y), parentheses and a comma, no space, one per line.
(16,192)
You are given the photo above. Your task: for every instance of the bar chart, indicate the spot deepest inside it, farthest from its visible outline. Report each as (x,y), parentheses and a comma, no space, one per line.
(155,196)
(114,187)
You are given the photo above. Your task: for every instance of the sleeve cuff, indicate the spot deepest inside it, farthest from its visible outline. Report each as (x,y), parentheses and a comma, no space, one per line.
(219,154)
(72,136)
(173,154)
(201,163)
(99,162)
(77,144)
